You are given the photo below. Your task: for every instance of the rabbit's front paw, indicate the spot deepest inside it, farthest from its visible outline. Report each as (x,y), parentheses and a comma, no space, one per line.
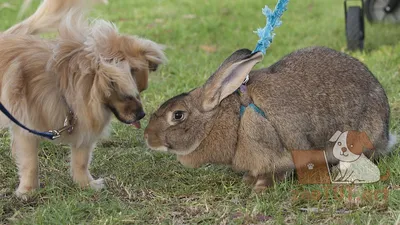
(249,179)
(262,185)
(188,161)
(263,182)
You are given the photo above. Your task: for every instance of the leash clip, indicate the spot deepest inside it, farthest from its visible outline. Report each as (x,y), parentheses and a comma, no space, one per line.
(69,122)
(56,134)
(246,79)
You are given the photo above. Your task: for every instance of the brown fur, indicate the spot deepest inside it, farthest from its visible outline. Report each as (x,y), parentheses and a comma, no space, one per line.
(213,149)
(90,68)
(305,100)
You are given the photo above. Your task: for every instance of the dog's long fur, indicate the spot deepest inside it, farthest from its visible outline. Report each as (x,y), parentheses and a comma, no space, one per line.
(90,68)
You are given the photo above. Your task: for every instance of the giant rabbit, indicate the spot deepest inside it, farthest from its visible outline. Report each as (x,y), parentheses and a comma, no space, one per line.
(302,100)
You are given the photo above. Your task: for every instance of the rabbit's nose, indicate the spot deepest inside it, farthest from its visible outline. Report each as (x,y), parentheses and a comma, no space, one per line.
(344,149)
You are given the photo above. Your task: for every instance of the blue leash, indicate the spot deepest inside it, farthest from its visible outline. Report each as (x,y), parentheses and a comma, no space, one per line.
(266,35)
(50,134)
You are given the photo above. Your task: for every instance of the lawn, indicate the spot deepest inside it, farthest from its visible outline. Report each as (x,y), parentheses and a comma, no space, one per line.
(145,187)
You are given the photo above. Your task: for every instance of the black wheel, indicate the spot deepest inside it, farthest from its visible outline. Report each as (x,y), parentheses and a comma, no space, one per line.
(387,11)
(355,28)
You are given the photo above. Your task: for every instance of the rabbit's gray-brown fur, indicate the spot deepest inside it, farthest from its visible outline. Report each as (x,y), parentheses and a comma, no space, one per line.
(307,96)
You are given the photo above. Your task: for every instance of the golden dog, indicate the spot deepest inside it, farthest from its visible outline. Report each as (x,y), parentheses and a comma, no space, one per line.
(85,75)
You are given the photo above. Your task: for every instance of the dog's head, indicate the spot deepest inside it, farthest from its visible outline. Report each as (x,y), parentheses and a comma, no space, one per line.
(349,145)
(114,67)
(128,62)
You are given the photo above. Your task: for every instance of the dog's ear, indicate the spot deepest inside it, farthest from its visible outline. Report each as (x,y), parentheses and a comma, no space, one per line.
(363,138)
(142,79)
(335,137)
(143,55)
(104,39)
(154,54)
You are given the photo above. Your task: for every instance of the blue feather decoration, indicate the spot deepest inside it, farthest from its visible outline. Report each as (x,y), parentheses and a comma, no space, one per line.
(266,34)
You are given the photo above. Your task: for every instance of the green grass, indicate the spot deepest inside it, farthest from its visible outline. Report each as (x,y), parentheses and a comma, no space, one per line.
(145,187)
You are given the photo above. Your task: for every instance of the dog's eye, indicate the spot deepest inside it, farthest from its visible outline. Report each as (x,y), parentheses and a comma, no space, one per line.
(339,143)
(153,67)
(128,98)
(179,115)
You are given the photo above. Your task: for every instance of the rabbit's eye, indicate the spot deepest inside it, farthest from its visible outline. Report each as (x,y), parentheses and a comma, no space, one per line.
(339,143)
(178,115)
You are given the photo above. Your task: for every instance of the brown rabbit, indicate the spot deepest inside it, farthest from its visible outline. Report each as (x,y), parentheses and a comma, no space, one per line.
(306,97)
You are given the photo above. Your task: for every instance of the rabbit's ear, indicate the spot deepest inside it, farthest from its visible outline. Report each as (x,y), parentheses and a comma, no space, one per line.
(228,77)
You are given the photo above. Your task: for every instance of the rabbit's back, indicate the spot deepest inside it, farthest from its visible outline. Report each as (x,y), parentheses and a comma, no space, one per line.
(311,93)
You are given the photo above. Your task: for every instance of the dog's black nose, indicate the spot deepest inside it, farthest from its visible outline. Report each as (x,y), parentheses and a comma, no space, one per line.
(344,149)
(140,114)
